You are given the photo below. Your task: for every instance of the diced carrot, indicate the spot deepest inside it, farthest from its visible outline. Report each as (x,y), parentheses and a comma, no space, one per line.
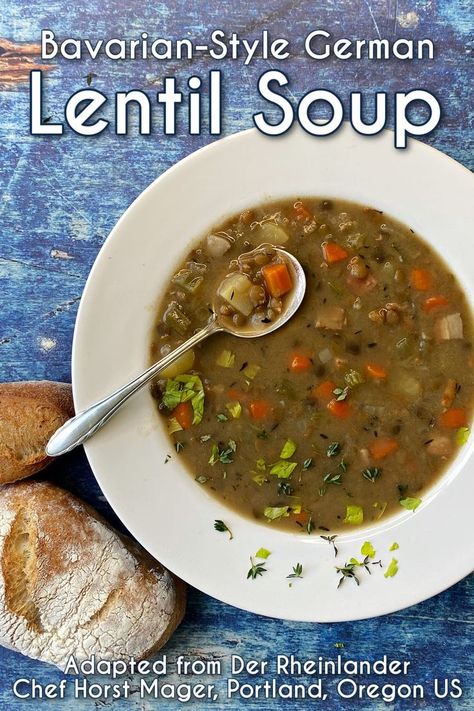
(184,414)
(339,408)
(453,418)
(260,409)
(324,390)
(382,447)
(299,363)
(302,517)
(332,252)
(302,212)
(433,303)
(277,279)
(421,279)
(376,371)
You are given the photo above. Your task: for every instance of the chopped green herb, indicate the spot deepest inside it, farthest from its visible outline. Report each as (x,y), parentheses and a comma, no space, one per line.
(226,359)
(222,453)
(330,540)
(222,527)
(260,464)
(339,645)
(297,571)
(285,488)
(462,435)
(288,450)
(221,417)
(259,479)
(256,570)
(201,479)
(185,388)
(411,503)
(354,515)
(335,479)
(307,464)
(179,446)
(274,512)
(283,469)
(367,549)
(333,449)
(349,569)
(371,474)
(262,553)
(392,569)
(341,393)
(394,547)
(235,409)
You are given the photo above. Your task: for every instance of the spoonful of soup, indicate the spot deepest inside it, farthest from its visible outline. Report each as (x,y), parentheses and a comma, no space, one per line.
(262,290)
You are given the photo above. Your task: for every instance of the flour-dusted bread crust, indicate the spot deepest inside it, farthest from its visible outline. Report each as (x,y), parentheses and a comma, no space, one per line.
(30,413)
(71,585)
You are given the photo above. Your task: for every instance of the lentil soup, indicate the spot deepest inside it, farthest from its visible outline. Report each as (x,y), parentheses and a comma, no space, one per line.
(353,408)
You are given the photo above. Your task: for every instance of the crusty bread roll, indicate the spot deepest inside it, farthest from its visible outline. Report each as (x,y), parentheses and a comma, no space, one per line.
(71,585)
(30,413)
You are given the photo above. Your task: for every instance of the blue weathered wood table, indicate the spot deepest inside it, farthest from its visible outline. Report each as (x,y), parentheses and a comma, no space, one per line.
(60,196)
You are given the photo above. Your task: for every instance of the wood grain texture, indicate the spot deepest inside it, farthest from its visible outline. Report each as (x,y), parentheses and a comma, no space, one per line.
(60,197)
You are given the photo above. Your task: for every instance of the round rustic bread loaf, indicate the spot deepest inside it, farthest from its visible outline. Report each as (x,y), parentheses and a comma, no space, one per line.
(71,585)
(30,413)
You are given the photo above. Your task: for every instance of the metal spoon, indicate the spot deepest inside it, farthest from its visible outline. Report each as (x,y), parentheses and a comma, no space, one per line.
(86,423)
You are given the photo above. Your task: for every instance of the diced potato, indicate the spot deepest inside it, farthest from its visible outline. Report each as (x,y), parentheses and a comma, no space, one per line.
(182,365)
(408,385)
(449,327)
(269,232)
(217,245)
(331,317)
(235,290)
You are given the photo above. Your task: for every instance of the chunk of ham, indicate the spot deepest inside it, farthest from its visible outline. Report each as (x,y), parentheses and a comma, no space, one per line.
(332,318)
(440,446)
(448,327)
(361,286)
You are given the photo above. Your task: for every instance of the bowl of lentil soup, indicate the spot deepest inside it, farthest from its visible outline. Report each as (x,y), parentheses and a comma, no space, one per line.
(394,419)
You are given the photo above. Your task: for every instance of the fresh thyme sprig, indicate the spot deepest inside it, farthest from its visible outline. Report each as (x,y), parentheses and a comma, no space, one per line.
(297,571)
(349,569)
(330,540)
(256,569)
(222,528)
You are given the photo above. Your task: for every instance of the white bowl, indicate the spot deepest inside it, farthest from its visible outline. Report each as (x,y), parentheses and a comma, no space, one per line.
(163,507)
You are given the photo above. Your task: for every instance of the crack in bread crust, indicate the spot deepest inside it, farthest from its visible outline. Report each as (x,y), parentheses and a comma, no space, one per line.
(21,572)
(71,585)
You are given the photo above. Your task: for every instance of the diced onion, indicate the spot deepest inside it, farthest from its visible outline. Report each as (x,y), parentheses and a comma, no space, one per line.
(325,355)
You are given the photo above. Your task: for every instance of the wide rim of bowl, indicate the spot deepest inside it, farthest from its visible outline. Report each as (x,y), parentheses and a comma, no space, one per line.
(124,454)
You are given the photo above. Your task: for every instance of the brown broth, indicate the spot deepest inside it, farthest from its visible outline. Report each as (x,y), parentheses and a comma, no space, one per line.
(425,376)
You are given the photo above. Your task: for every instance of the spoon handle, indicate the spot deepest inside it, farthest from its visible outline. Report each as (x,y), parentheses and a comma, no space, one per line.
(86,423)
